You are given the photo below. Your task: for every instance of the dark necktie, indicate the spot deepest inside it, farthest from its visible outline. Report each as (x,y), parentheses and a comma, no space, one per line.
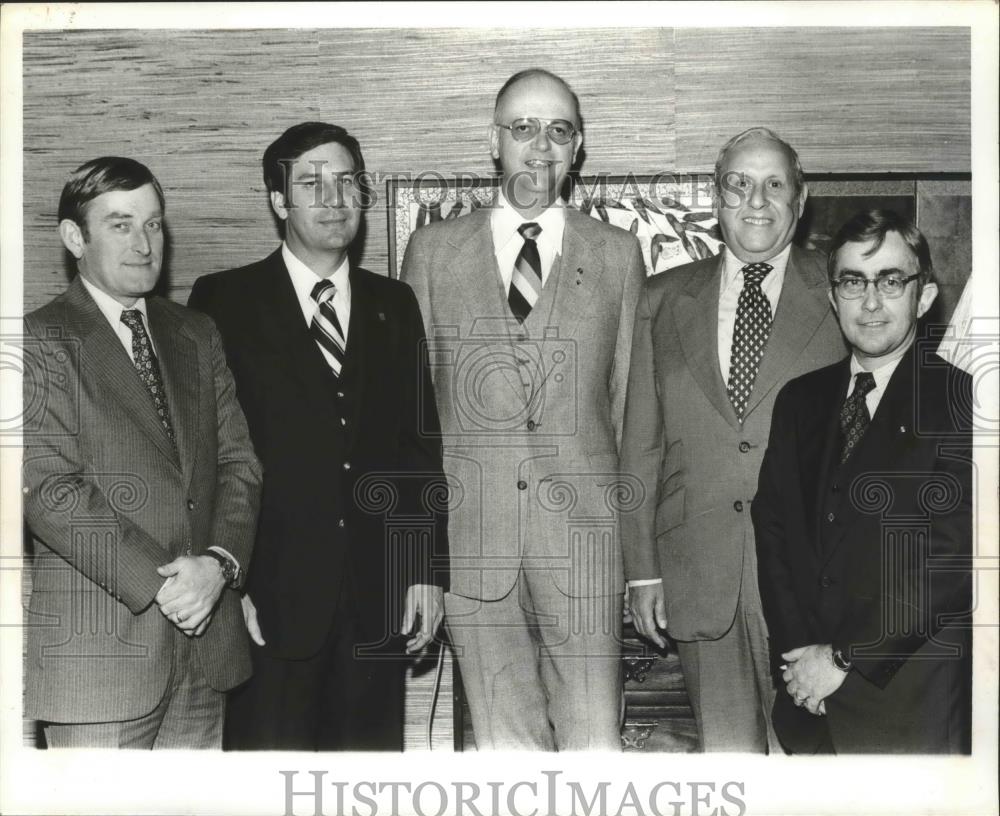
(854,416)
(753,325)
(325,327)
(148,367)
(526,281)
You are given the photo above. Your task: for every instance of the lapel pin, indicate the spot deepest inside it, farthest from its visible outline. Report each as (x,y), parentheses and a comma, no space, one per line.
(381,316)
(902,429)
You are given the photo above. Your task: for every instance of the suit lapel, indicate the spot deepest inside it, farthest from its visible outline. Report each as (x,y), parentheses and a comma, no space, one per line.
(280,315)
(578,273)
(104,355)
(892,421)
(802,307)
(696,311)
(475,276)
(178,355)
(473,268)
(827,407)
(365,338)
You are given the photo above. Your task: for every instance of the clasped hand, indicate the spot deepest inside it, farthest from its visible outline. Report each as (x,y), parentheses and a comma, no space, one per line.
(190,592)
(811,676)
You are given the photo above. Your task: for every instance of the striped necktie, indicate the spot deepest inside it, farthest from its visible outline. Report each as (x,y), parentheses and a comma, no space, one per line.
(149,369)
(526,282)
(753,325)
(325,327)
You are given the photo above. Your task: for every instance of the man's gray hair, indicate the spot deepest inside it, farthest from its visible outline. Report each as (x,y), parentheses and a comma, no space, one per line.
(760,133)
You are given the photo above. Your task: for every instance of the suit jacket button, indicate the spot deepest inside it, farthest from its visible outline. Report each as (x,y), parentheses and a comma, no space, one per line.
(190,504)
(744,446)
(522,485)
(347,465)
(830,517)
(825,581)
(340,394)
(531,424)
(340,523)
(738,506)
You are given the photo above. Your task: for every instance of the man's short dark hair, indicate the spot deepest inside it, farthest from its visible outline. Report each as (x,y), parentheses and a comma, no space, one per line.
(873,225)
(98,176)
(531,73)
(769,135)
(302,138)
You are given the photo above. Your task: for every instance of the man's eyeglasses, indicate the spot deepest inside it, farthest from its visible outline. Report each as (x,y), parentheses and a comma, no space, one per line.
(558,130)
(889,286)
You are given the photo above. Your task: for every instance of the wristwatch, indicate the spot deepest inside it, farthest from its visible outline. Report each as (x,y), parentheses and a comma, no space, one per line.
(840,661)
(229,569)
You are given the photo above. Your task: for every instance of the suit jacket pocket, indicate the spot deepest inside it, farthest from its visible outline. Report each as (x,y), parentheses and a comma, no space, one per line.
(604,468)
(670,511)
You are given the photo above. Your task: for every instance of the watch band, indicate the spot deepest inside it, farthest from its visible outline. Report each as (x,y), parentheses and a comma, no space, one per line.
(229,570)
(841,662)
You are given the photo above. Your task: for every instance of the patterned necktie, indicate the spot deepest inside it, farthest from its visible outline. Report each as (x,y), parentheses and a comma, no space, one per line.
(854,416)
(148,368)
(753,325)
(325,327)
(526,281)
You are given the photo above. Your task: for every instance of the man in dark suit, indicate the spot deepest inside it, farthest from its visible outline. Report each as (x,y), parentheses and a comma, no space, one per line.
(864,522)
(529,307)
(714,340)
(331,369)
(141,489)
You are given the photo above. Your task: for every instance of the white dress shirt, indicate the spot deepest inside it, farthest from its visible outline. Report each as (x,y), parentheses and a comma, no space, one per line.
(882,374)
(112,311)
(730,288)
(304,280)
(507,241)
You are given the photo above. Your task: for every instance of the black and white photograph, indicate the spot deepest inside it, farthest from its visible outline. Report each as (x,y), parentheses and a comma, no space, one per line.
(499,408)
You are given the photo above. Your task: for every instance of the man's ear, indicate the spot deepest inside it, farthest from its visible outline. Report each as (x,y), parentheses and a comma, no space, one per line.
(927,297)
(278,205)
(803,195)
(494,136)
(577,144)
(72,237)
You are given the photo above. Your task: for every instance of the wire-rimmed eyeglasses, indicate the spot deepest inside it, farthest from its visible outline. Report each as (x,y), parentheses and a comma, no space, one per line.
(558,130)
(851,287)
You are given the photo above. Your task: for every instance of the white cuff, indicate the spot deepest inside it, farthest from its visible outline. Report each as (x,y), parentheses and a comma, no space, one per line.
(645,582)
(228,555)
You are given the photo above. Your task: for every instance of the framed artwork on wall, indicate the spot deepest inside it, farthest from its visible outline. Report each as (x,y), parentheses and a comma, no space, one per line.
(671,215)
(673,218)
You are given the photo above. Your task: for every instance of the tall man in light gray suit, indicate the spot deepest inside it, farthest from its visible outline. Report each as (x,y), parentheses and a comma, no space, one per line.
(141,489)
(714,341)
(529,309)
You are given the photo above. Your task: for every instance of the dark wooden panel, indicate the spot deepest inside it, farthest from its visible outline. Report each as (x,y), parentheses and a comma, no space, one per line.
(849,99)
(199,107)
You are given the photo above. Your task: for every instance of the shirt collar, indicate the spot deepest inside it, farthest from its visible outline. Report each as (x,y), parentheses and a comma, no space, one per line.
(731,265)
(885,369)
(304,279)
(111,308)
(504,221)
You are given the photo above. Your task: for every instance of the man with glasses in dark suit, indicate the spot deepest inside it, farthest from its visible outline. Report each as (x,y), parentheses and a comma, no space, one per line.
(864,519)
